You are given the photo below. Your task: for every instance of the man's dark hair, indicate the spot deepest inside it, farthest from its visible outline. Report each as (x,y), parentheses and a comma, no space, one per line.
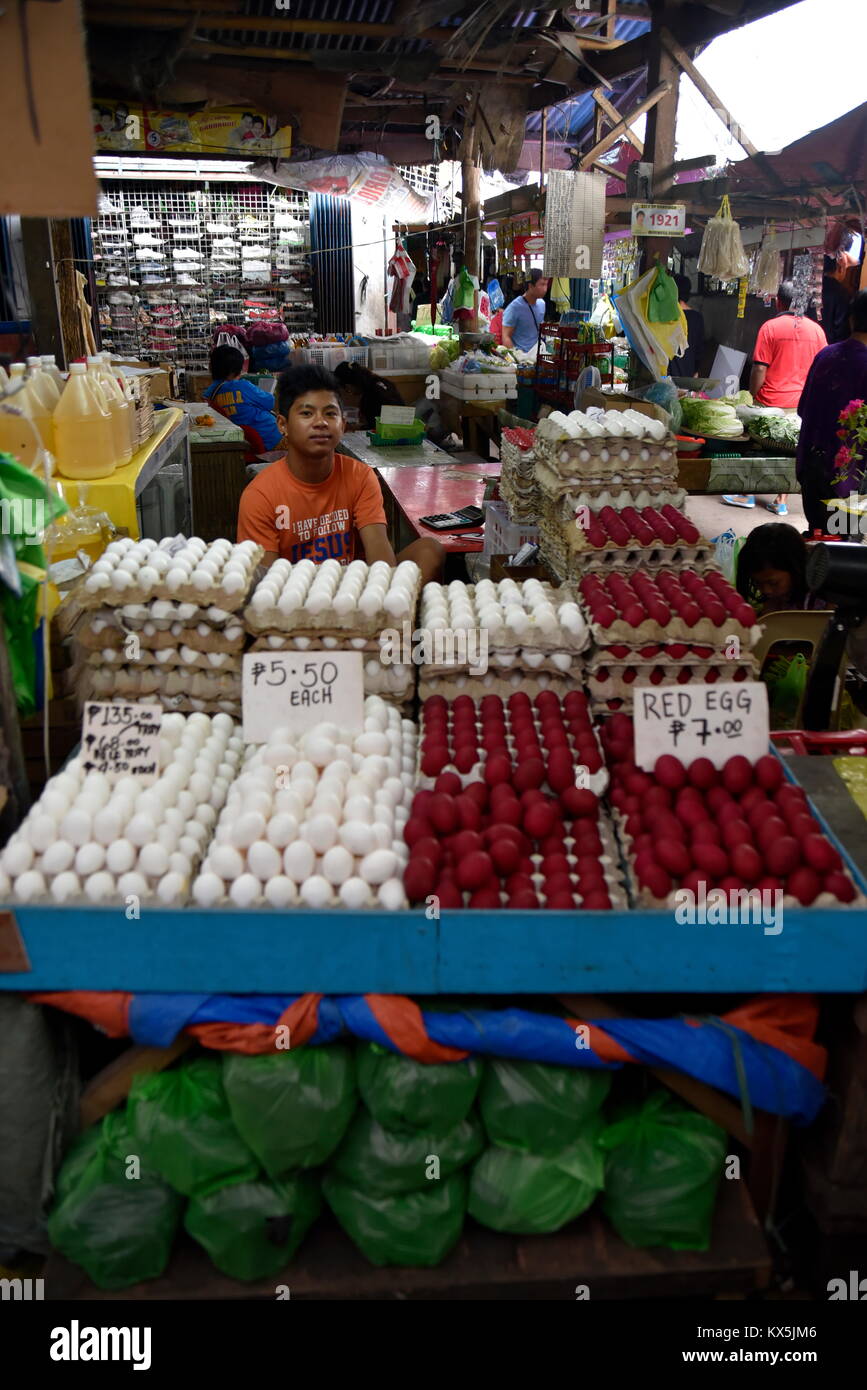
(257,120)
(684,287)
(786,293)
(858,312)
(226,361)
(297,381)
(536,275)
(245,114)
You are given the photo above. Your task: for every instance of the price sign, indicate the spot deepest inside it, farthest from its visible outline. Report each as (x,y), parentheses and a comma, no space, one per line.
(122,740)
(701,721)
(658,219)
(300,689)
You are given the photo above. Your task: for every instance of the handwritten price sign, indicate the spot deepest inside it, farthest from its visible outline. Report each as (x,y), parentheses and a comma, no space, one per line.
(658,219)
(122,740)
(300,689)
(701,721)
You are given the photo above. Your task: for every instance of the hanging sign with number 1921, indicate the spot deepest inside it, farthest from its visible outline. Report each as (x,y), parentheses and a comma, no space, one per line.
(658,219)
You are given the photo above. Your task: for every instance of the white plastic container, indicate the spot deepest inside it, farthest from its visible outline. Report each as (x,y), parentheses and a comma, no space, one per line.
(45,383)
(84,435)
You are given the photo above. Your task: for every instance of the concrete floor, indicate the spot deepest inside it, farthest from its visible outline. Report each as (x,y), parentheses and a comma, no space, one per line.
(712,516)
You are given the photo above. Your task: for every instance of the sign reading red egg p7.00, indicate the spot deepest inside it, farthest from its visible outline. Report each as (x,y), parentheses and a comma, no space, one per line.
(298,689)
(658,219)
(701,721)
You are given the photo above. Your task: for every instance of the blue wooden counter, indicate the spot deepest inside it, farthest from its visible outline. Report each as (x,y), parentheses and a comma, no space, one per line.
(264,952)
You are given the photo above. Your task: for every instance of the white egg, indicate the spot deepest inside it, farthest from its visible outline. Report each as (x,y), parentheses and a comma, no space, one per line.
(58,857)
(121,856)
(99,887)
(141,829)
(357,837)
(317,749)
(29,885)
(391,895)
(355,893)
(326,804)
(208,889)
(245,890)
(172,888)
(287,803)
(282,829)
(248,828)
(382,835)
(264,860)
(227,862)
(299,860)
(321,832)
(372,743)
(133,885)
(305,790)
(316,892)
(89,859)
(40,830)
(154,858)
(65,886)
(337,865)
(280,891)
(53,803)
(377,866)
(76,826)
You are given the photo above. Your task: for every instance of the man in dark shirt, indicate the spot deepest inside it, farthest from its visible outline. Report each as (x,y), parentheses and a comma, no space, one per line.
(688,363)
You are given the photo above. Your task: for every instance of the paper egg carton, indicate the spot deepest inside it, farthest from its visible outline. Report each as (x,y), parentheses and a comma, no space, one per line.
(704,632)
(619,682)
(174,684)
(176,570)
(99,633)
(392,680)
(562,452)
(518,486)
(357,598)
(477,688)
(593,481)
(494,683)
(168,658)
(670,655)
(587,492)
(316,821)
(90,841)
(532,615)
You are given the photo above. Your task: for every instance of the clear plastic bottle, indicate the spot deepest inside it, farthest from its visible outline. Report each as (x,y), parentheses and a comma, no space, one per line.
(45,383)
(30,398)
(116,407)
(49,365)
(111,382)
(84,432)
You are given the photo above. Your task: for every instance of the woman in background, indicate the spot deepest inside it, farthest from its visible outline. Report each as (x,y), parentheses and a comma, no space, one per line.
(365,391)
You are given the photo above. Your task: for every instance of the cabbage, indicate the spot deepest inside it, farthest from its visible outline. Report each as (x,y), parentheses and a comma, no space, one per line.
(712,419)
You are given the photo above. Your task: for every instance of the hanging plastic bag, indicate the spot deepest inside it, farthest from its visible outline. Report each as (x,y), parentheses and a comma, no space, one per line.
(182,1122)
(765,277)
(663,301)
(496,296)
(539,1108)
(529,1194)
(722,252)
(291,1107)
(663,1164)
(446,307)
(118,1227)
(463,291)
(386,1162)
(726,550)
(252,1229)
(403,1094)
(416,1229)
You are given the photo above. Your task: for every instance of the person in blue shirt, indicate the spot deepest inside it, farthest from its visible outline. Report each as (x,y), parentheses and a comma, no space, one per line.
(240,401)
(522,318)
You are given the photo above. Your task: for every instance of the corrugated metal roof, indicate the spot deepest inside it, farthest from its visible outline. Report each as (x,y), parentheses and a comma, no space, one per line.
(570,120)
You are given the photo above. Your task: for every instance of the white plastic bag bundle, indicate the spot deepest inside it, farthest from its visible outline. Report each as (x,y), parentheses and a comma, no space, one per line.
(722,252)
(765,279)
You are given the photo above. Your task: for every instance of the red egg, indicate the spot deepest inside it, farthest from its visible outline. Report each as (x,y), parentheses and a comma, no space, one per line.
(736,832)
(553,843)
(539,821)
(465,842)
(596,901)
(840,885)
(674,857)
(769,883)
(737,775)
(730,812)
(498,768)
(666,825)
(803,826)
(804,884)
(416,829)
(561,770)
(702,773)
(448,782)
(783,857)
(711,858)
(529,775)
(555,862)
(558,883)
(525,900)
(443,814)
(562,901)
(466,756)
(768,772)
(469,815)
(580,802)
(434,760)
(820,854)
(419,879)
(695,882)
(746,861)
(669,772)
(479,793)
(761,813)
(767,829)
(658,796)
(427,848)
(449,895)
(488,897)
(474,870)
(656,880)
(704,832)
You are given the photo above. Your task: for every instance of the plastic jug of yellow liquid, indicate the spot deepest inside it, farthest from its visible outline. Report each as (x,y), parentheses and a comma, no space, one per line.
(115,407)
(115,389)
(37,405)
(83,431)
(4,378)
(20,434)
(41,381)
(50,367)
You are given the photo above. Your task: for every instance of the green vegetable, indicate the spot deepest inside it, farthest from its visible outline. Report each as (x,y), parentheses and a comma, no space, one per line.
(779,430)
(712,419)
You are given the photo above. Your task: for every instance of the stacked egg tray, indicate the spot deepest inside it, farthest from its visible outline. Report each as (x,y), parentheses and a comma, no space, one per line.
(604,461)
(527,636)
(518,487)
(317,821)
(653,628)
(87,840)
(332,607)
(631,538)
(180,570)
(513,830)
(740,828)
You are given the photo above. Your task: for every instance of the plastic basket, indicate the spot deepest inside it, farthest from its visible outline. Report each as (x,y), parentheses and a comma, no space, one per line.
(329,354)
(398,357)
(502,536)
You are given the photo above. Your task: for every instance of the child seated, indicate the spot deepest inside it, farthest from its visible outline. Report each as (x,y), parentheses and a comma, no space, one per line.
(772,570)
(240,401)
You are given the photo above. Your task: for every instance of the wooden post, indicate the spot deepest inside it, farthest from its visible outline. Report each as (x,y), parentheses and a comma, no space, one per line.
(44,304)
(470,185)
(659,136)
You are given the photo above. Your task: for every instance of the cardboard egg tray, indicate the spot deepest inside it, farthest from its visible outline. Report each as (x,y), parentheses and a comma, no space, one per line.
(168,658)
(535,639)
(618,682)
(493,683)
(231,603)
(329,623)
(671,655)
(530,660)
(100,634)
(704,633)
(518,486)
(563,455)
(139,680)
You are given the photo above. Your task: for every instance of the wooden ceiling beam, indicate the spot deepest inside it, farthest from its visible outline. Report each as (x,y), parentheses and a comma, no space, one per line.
(623,125)
(610,110)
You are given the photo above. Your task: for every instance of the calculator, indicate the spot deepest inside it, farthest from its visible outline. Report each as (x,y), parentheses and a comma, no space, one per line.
(454,521)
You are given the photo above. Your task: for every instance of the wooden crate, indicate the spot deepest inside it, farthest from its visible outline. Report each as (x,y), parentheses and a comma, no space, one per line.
(218,477)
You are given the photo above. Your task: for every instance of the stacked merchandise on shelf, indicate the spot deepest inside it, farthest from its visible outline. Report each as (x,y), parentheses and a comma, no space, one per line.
(518,487)
(330,607)
(160,624)
(498,638)
(242,1150)
(699,828)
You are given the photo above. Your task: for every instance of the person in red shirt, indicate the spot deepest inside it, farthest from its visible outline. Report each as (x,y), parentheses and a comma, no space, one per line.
(315,503)
(784,352)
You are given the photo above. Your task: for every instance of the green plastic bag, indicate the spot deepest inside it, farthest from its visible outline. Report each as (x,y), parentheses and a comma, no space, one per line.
(387,1163)
(662,302)
(251,1230)
(291,1107)
(463,292)
(418,1228)
(181,1120)
(119,1229)
(403,1094)
(529,1194)
(537,1108)
(663,1163)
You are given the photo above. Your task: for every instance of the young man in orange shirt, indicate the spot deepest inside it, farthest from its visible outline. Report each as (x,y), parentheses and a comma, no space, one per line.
(317,504)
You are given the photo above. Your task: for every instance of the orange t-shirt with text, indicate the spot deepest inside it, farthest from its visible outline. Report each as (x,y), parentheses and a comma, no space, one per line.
(311,521)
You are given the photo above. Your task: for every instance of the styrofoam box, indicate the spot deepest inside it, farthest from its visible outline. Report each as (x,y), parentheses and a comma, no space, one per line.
(475,386)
